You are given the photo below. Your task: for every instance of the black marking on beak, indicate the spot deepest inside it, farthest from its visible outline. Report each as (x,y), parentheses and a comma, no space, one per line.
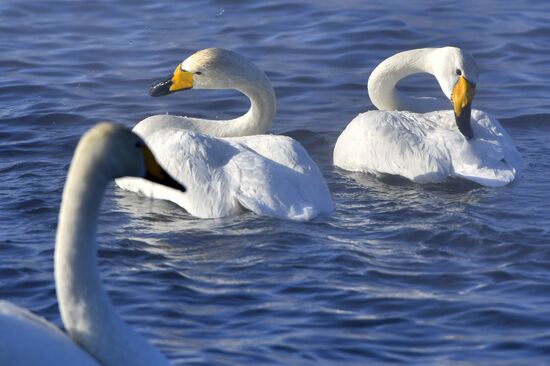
(462,96)
(464,122)
(165,180)
(161,88)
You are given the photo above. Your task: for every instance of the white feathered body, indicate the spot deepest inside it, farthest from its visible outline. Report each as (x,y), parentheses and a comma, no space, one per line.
(227,166)
(428,147)
(29,340)
(266,174)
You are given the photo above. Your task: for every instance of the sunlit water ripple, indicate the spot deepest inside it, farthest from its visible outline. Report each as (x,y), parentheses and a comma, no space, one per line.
(400,273)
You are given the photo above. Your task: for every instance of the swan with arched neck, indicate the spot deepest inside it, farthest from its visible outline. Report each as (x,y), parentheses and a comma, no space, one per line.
(96,334)
(230,166)
(428,139)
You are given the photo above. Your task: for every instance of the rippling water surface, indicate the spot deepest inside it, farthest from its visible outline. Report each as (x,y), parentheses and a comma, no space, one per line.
(400,273)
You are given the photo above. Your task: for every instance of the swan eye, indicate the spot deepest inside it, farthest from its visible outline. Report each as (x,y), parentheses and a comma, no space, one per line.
(198,73)
(458,72)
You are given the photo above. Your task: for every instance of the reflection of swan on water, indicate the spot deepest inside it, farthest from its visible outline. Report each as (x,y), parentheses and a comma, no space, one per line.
(418,138)
(97,333)
(226,166)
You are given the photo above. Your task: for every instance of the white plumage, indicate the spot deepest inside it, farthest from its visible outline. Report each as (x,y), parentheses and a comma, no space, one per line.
(96,335)
(266,174)
(29,340)
(427,146)
(226,166)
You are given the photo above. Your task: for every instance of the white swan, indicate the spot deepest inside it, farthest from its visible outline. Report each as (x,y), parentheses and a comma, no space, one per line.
(98,336)
(418,138)
(224,168)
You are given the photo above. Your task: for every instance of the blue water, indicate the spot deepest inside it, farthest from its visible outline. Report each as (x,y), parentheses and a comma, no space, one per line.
(399,274)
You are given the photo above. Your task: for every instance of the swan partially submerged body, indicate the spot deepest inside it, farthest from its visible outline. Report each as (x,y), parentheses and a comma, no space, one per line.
(420,138)
(227,166)
(29,340)
(96,335)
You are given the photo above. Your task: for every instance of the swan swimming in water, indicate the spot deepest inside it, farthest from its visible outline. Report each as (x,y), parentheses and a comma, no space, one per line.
(419,138)
(96,333)
(227,166)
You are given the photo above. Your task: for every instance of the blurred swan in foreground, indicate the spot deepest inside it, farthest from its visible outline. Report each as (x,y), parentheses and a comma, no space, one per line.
(419,138)
(225,169)
(98,336)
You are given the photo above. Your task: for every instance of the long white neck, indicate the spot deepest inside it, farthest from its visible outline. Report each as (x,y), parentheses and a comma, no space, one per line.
(256,121)
(85,307)
(384,78)
(260,115)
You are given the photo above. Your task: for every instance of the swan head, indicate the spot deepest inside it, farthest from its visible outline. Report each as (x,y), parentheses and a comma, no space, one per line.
(457,74)
(211,68)
(121,153)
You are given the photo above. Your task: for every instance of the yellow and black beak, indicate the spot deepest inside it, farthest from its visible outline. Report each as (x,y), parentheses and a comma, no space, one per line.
(155,173)
(462,96)
(180,80)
